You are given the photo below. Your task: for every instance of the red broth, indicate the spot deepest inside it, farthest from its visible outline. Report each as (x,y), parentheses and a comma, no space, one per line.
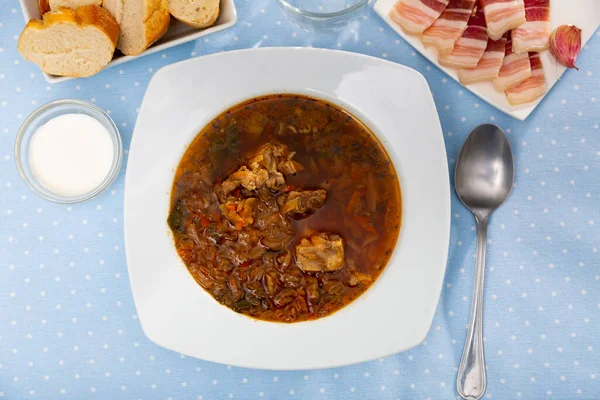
(285,208)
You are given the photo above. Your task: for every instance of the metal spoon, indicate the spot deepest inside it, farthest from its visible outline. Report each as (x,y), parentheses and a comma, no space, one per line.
(483,179)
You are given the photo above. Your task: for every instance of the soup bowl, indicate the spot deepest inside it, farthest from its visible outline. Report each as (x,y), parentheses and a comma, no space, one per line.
(394,314)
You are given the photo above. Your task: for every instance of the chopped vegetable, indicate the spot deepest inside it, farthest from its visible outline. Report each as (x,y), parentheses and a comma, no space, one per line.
(176,220)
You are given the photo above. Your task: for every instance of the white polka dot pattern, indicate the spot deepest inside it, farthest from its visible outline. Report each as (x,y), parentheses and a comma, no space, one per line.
(68,326)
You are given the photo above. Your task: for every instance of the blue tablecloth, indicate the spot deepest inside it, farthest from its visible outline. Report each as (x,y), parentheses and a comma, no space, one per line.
(68,325)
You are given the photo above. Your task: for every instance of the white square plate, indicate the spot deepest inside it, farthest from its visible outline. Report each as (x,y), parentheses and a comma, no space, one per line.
(178,33)
(585,14)
(394,314)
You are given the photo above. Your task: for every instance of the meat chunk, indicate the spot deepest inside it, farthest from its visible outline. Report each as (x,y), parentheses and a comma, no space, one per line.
(301,204)
(416,15)
(503,16)
(533,35)
(469,48)
(265,169)
(249,179)
(532,88)
(276,159)
(290,167)
(320,253)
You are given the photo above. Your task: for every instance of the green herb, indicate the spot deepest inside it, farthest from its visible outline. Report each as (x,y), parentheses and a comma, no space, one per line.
(176,220)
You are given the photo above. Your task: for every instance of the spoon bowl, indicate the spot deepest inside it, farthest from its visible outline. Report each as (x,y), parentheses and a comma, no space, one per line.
(483,179)
(484,170)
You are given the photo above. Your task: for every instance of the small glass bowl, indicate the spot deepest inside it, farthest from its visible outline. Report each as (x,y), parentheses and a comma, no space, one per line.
(332,15)
(42,115)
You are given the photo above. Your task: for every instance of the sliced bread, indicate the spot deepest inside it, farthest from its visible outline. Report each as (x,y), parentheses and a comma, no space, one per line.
(76,43)
(53,5)
(142,23)
(195,13)
(115,7)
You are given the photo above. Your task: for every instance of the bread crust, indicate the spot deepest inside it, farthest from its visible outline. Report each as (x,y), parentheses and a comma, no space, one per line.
(44,6)
(83,17)
(158,22)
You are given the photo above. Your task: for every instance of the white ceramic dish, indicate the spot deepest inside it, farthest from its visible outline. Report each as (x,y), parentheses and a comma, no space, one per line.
(585,14)
(178,33)
(394,314)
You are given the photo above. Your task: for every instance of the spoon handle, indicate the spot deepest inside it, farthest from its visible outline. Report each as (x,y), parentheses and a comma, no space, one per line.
(471,379)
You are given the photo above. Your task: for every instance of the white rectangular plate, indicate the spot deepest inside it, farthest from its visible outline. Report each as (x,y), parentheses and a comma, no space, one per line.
(178,33)
(585,14)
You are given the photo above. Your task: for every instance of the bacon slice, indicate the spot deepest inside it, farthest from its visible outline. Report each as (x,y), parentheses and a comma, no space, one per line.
(515,69)
(417,15)
(503,15)
(533,35)
(446,30)
(488,67)
(469,48)
(531,89)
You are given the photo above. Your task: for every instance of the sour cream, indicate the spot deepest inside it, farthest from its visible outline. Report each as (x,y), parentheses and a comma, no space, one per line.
(71,155)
